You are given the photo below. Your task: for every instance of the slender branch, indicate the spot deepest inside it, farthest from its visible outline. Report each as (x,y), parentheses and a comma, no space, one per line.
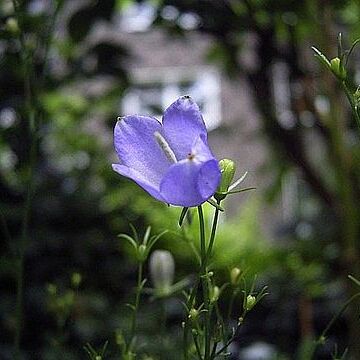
(321,338)
(213,232)
(26,58)
(352,103)
(204,280)
(5,227)
(136,304)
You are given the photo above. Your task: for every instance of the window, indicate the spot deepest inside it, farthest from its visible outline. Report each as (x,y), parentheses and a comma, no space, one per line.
(154,89)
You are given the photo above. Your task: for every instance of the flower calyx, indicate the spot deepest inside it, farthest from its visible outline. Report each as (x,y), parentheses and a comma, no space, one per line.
(228,168)
(337,68)
(250,302)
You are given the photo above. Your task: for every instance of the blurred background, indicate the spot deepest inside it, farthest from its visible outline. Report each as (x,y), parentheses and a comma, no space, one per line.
(268,105)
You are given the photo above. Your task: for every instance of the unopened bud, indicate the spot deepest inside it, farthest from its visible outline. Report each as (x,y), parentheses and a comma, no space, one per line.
(162,268)
(12,25)
(76,279)
(193,314)
(322,340)
(52,289)
(141,253)
(235,276)
(215,293)
(119,338)
(250,302)
(227,168)
(337,68)
(357,96)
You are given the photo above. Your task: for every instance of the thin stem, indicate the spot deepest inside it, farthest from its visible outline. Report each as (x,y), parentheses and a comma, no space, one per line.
(30,111)
(231,304)
(204,256)
(136,304)
(352,103)
(213,232)
(197,347)
(5,227)
(204,280)
(321,338)
(22,250)
(162,328)
(332,321)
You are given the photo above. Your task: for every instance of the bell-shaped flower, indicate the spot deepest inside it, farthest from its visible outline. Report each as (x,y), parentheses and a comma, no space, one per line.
(170,160)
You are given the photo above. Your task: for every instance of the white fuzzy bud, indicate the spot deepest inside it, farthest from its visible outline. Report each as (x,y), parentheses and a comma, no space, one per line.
(162,268)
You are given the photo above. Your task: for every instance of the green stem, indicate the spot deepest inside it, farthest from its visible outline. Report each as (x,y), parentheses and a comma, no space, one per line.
(321,338)
(198,351)
(204,281)
(162,328)
(205,255)
(350,98)
(136,305)
(231,304)
(26,58)
(5,227)
(213,232)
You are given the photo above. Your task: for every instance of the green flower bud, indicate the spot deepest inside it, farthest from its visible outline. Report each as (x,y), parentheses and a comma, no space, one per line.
(141,253)
(227,168)
(250,302)
(119,338)
(214,294)
(12,25)
(235,276)
(357,96)
(76,279)
(337,68)
(52,289)
(162,268)
(194,314)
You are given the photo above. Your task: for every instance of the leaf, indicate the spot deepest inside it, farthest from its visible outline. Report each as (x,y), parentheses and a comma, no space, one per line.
(240,190)
(131,306)
(182,215)
(238,181)
(129,239)
(356,281)
(147,235)
(351,50)
(321,57)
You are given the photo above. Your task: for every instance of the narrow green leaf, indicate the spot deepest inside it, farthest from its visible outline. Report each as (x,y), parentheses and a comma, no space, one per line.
(351,50)
(353,279)
(240,190)
(147,235)
(321,57)
(182,215)
(128,239)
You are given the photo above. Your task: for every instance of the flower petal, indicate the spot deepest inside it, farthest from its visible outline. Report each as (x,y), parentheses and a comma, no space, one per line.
(137,148)
(152,189)
(182,125)
(190,182)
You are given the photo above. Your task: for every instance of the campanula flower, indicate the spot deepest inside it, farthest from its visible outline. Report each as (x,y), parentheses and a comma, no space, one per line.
(170,160)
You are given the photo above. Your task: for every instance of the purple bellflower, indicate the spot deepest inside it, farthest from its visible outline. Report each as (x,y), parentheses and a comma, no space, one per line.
(170,160)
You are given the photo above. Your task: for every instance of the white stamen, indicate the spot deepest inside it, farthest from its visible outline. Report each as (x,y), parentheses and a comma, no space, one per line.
(165,147)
